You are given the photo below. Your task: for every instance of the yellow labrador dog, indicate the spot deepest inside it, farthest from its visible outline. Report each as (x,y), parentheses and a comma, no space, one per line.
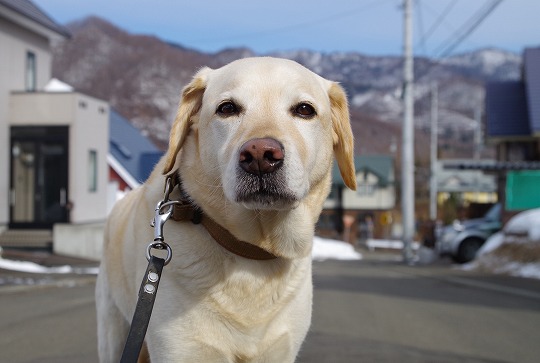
(252,147)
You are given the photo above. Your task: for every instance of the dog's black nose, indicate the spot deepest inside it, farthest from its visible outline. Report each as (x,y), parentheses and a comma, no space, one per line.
(261,156)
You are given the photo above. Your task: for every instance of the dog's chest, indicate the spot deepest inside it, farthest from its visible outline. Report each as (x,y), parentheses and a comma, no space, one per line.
(249,298)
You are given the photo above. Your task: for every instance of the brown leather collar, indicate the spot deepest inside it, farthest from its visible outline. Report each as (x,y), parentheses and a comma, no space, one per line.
(186,211)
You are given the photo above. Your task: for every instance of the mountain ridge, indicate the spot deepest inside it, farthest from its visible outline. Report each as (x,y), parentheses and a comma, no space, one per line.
(142,77)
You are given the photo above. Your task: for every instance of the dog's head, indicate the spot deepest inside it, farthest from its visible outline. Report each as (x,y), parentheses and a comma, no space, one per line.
(263,130)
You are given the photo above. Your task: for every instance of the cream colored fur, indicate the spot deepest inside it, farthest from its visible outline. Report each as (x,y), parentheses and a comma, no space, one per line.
(213,306)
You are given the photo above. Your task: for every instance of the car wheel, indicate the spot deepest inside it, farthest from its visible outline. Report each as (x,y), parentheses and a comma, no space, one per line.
(468,249)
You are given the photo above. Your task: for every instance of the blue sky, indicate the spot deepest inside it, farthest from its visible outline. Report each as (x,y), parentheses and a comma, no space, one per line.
(372,27)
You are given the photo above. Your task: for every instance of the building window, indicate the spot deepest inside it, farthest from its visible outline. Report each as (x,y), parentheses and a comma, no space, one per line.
(30,72)
(366,183)
(92,171)
(365,189)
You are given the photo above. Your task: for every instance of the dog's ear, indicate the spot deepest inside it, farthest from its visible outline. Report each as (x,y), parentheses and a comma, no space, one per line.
(190,104)
(342,135)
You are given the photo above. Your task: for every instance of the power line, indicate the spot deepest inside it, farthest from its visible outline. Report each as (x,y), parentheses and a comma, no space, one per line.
(468,28)
(420,18)
(312,22)
(439,21)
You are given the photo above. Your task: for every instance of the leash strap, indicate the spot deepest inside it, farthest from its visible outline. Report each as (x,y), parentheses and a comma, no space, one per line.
(150,281)
(143,311)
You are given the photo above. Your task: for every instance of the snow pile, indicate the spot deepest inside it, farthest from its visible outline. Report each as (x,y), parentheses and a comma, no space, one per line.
(31,267)
(515,250)
(55,85)
(390,244)
(323,249)
(326,249)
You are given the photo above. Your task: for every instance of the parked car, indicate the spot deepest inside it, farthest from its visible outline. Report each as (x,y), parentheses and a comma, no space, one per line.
(462,239)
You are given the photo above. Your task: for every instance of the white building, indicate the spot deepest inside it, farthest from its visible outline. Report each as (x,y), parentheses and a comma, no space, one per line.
(53,145)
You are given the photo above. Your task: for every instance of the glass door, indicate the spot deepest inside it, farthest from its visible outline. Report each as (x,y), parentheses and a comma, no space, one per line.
(39,160)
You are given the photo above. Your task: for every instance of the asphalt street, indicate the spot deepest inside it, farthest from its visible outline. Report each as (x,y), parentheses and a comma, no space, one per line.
(373,310)
(380,311)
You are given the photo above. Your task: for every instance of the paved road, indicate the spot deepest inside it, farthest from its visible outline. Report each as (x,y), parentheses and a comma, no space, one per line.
(48,325)
(364,311)
(372,311)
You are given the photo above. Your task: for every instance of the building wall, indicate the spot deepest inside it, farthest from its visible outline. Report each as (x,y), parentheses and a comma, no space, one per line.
(368,195)
(42,109)
(90,133)
(380,199)
(15,42)
(88,121)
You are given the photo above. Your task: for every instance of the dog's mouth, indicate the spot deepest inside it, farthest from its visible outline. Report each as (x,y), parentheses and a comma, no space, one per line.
(266,191)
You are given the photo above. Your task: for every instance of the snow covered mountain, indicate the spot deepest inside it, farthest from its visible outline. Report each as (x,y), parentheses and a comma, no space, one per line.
(142,77)
(374,83)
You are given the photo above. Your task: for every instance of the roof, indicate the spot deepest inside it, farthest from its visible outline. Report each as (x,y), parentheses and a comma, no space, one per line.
(462,179)
(506,109)
(513,107)
(531,72)
(380,165)
(31,11)
(136,154)
(491,165)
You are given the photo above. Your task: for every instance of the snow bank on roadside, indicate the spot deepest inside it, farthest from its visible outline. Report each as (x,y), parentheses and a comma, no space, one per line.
(330,249)
(513,251)
(31,267)
(323,249)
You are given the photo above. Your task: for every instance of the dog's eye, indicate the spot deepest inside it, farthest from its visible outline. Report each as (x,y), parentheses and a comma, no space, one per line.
(304,110)
(227,108)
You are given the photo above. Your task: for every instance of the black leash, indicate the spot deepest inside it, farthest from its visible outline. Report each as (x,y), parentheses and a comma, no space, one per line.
(150,282)
(143,311)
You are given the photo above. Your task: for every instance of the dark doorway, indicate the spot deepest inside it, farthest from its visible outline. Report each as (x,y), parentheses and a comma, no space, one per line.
(39,176)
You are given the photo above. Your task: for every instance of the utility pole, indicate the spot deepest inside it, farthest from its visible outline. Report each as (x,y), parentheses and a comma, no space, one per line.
(407,165)
(433,150)
(477,133)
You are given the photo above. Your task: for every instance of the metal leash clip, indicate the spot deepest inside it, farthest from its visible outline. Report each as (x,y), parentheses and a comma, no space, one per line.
(158,222)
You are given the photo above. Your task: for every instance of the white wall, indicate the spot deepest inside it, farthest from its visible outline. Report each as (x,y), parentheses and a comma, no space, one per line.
(89,132)
(379,198)
(42,109)
(368,195)
(382,198)
(81,240)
